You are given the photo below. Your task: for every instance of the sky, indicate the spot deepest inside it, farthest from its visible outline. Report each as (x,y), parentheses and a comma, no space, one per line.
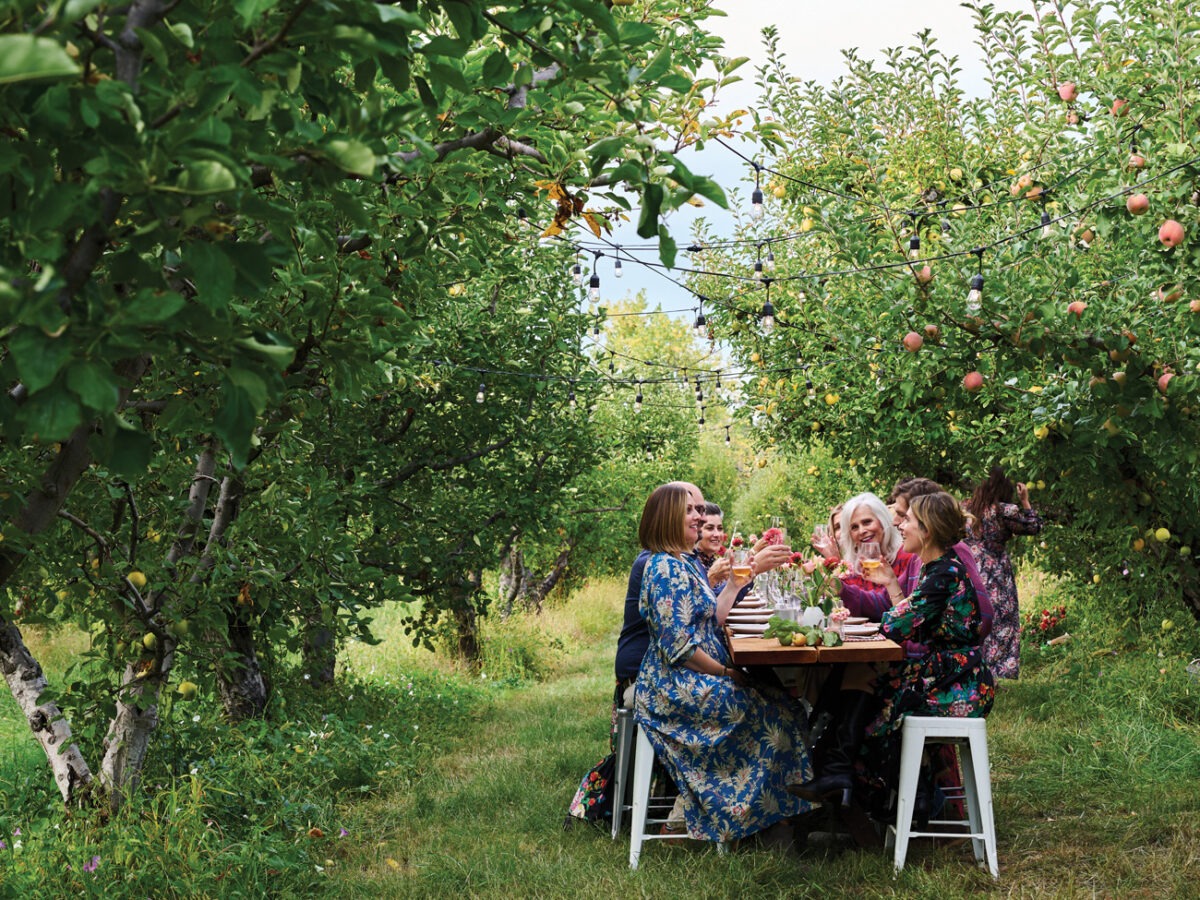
(812,37)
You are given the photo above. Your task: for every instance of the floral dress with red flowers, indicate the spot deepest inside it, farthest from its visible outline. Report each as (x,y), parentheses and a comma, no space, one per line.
(951,678)
(1002,648)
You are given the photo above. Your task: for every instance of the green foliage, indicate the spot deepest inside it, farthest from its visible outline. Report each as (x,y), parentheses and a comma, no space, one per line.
(259,807)
(1071,397)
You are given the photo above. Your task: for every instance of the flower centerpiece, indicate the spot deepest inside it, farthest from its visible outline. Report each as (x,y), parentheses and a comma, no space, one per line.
(824,582)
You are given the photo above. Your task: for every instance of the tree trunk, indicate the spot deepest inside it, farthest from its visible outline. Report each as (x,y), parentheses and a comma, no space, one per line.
(1190,584)
(27,683)
(129,733)
(320,646)
(241,683)
(541,591)
(514,580)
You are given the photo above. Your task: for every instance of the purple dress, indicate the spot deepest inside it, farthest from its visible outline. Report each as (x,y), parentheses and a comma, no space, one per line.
(989,534)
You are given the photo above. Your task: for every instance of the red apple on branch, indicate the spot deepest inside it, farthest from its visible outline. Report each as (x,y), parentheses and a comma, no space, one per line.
(1170,233)
(1067,91)
(913,342)
(1137,204)
(1077,307)
(972,381)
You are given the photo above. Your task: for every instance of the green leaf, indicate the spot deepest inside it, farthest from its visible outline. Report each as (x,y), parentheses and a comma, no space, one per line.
(150,307)
(270,346)
(658,66)
(353,156)
(652,198)
(52,415)
(38,357)
(94,384)
(212,273)
(131,450)
(24,57)
(497,68)
(250,10)
(667,249)
(205,176)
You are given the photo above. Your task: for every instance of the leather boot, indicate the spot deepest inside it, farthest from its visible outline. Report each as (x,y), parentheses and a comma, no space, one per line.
(837,773)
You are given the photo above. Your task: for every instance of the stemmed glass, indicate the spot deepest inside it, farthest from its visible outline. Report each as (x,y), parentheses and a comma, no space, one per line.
(777,522)
(869,556)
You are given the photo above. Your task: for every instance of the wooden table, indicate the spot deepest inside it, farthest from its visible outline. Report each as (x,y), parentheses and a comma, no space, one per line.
(756,651)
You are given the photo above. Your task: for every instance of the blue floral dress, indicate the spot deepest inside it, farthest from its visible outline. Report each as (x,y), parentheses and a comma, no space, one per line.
(732,750)
(951,678)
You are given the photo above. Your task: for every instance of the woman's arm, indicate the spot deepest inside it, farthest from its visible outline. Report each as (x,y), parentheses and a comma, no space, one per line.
(703,663)
(927,602)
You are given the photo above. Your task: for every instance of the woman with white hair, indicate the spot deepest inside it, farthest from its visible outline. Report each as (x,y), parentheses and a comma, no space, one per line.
(865,518)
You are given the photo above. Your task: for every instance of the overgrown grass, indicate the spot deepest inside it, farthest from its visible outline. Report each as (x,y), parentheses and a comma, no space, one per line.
(446,782)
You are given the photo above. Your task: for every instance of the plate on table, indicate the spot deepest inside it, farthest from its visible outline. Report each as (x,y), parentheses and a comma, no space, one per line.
(856,620)
(866,630)
(736,618)
(747,629)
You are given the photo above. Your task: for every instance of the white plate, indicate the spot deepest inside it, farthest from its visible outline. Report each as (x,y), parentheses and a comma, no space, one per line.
(855,620)
(861,630)
(747,628)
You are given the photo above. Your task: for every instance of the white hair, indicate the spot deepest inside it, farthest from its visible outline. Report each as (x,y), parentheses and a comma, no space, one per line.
(890,540)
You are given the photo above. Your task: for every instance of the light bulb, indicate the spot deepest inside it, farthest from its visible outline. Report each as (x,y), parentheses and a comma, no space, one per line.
(571,401)
(577,273)
(617,270)
(1046,229)
(770,260)
(756,204)
(728,440)
(594,288)
(758,268)
(767,317)
(914,247)
(479,397)
(808,385)
(975,296)
(701,326)
(637,402)
(945,226)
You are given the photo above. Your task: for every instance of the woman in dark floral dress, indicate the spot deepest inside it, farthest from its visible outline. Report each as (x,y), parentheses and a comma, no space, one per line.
(997,519)
(950,678)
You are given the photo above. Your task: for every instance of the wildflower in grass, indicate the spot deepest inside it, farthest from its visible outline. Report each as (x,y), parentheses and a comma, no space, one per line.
(92,865)
(342,832)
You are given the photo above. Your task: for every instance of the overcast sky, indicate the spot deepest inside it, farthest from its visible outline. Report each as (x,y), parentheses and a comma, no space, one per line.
(812,37)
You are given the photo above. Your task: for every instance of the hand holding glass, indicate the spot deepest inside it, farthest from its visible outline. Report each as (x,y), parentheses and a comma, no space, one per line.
(869,556)
(741,565)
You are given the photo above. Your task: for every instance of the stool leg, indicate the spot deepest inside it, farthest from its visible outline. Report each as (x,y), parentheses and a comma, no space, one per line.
(642,765)
(982,816)
(911,746)
(966,756)
(625,728)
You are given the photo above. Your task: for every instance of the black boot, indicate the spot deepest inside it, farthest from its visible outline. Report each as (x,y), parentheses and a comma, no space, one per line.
(837,772)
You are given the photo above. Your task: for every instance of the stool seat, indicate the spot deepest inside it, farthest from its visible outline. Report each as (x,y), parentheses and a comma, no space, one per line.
(970,735)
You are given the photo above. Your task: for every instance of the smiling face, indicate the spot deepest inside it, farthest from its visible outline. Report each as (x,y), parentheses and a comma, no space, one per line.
(864,526)
(712,535)
(694,515)
(899,510)
(913,533)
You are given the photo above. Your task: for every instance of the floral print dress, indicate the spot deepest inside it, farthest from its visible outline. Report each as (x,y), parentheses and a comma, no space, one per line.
(732,750)
(1002,648)
(950,679)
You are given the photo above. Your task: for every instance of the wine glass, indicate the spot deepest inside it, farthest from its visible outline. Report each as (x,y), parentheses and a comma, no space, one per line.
(777,522)
(869,556)
(741,564)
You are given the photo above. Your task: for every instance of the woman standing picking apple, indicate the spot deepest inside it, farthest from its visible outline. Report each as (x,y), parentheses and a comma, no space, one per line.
(997,519)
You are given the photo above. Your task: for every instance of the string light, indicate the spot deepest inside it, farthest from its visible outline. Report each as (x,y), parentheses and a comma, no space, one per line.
(914,246)
(770,260)
(617,270)
(701,422)
(577,271)
(637,401)
(766,316)
(756,198)
(571,397)
(975,295)
(701,326)
(728,439)
(482,394)
(594,281)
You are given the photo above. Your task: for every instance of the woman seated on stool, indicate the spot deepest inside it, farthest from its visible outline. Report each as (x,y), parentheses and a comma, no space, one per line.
(730,747)
(943,614)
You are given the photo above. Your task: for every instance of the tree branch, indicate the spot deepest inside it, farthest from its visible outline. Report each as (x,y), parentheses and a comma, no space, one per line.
(412,468)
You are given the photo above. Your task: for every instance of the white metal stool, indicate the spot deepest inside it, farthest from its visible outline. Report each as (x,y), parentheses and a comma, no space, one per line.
(624,750)
(647,811)
(970,735)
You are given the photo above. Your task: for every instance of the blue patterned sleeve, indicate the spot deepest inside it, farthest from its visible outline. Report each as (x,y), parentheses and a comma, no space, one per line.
(668,606)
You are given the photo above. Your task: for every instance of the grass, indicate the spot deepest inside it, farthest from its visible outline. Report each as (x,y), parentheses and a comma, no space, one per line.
(450,783)
(1096,779)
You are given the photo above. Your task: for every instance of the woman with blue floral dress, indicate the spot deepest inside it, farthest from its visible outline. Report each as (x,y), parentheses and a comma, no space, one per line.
(732,748)
(943,614)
